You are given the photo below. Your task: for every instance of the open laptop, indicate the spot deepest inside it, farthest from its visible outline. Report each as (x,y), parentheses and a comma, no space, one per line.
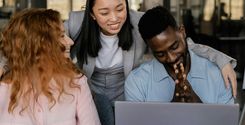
(157,113)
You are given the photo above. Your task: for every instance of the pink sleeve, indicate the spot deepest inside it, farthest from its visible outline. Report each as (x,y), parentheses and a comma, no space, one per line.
(86,110)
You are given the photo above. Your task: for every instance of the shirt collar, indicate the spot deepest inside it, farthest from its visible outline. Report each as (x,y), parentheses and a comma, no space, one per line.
(197,68)
(159,71)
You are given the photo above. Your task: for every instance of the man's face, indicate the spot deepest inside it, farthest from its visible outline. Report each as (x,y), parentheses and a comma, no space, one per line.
(169,47)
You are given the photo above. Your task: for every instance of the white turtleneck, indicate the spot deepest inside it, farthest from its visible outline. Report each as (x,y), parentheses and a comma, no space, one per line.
(110,54)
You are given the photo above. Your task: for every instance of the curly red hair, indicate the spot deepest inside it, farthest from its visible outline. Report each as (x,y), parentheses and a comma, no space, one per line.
(35,56)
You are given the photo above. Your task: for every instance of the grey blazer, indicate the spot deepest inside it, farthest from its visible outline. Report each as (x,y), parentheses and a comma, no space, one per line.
(134,56)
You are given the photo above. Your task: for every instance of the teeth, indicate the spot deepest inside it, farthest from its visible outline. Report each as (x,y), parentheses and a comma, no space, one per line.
(114,26)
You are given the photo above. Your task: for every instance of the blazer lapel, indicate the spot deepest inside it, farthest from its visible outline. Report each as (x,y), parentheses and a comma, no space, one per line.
(89,68)
(128,60)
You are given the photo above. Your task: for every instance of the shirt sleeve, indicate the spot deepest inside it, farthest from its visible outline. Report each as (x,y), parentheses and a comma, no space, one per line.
(86,110)
(133,89)
(211,54)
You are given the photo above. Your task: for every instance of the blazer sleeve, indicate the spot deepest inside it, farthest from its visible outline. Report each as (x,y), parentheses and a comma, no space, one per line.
(211,54)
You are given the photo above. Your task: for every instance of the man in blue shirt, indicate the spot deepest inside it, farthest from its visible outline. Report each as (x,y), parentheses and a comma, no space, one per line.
(164,78)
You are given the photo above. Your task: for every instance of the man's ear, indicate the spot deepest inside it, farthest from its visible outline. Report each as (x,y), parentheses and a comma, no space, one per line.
(182,30)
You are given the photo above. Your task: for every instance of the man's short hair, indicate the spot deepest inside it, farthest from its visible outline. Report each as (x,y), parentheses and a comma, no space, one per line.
(155,21)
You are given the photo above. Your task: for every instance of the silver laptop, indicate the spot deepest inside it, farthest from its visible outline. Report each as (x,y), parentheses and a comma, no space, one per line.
(157,113)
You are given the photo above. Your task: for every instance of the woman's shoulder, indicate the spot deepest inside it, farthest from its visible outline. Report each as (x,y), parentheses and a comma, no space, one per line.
(135,15)
(73,24)
(4,85)
(76,13)
(80,79)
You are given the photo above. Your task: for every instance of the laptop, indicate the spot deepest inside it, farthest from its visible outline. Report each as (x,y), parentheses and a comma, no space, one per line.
(157,113)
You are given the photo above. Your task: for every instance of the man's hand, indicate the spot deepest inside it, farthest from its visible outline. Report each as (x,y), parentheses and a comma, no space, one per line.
(179,71)
(229,76)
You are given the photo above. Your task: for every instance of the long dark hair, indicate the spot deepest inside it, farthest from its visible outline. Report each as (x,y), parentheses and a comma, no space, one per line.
(88,42)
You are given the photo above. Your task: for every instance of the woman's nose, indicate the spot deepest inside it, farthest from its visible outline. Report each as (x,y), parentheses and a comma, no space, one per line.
(113,16)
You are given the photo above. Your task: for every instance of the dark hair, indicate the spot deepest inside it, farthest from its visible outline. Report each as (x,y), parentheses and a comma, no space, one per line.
(155,21)
(88,41)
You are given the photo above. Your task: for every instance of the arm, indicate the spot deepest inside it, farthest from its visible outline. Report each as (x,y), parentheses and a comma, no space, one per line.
(211,54)
(224,62)
(86,110)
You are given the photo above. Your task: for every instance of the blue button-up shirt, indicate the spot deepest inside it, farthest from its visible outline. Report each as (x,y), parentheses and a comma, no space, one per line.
(151,82)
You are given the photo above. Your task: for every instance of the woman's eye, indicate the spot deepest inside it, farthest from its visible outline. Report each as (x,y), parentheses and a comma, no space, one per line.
(103,14)
(120,9)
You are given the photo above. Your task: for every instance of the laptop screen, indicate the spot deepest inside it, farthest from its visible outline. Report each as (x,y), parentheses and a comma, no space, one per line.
(156,113)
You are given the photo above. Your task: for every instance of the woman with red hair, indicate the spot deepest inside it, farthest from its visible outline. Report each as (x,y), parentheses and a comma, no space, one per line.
(42,86)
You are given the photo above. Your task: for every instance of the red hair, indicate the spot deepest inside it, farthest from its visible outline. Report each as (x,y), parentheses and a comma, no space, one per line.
(35,57)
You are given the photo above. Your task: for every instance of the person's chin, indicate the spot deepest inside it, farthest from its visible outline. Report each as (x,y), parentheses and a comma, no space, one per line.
(114,31)
(67,55)
(179,61)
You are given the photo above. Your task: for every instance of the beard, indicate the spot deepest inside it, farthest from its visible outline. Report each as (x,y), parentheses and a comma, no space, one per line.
(183,58)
